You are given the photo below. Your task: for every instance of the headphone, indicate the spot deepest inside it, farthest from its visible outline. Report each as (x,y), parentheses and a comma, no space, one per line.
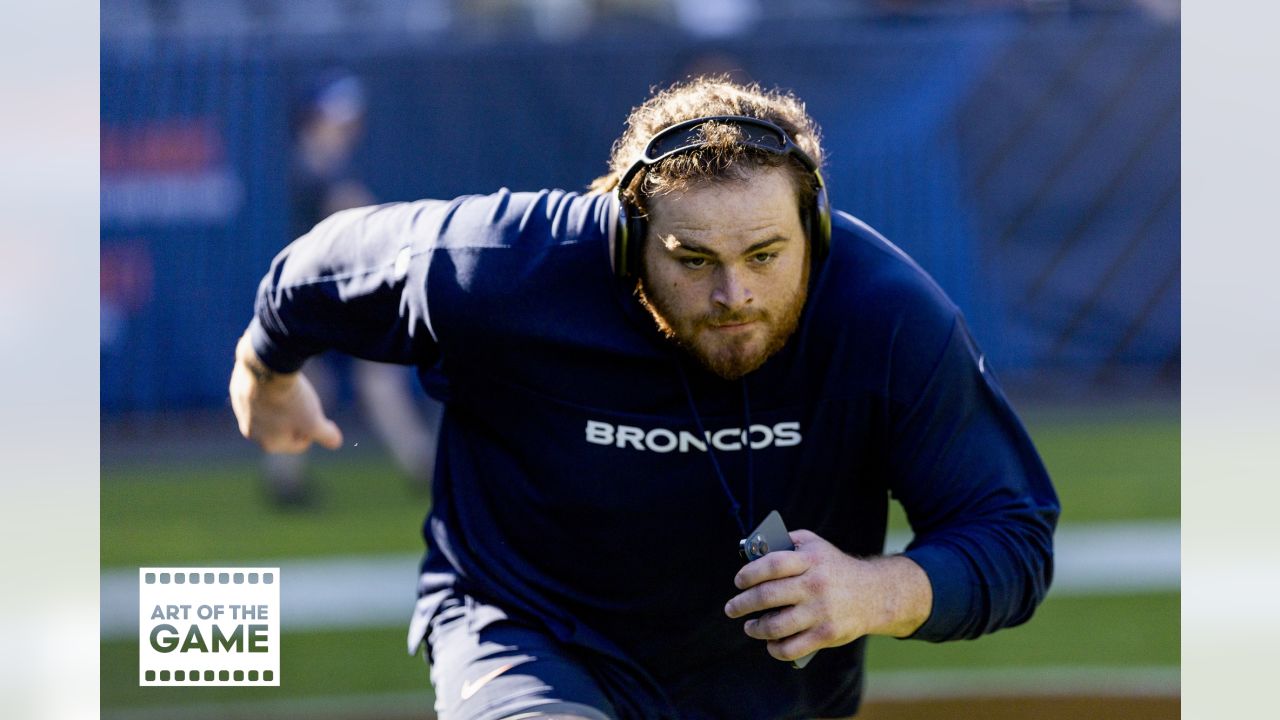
(685,137)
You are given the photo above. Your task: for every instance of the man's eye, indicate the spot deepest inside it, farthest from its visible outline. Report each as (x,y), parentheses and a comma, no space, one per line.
(763,257)
(693,263)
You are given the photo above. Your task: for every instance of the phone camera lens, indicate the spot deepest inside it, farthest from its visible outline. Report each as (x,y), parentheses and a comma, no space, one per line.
(759,545)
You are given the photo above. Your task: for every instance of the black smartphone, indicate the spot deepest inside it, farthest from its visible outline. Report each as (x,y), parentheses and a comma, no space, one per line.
(769,536)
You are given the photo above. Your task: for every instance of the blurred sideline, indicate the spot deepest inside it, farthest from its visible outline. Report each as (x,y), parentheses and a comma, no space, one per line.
(378,590)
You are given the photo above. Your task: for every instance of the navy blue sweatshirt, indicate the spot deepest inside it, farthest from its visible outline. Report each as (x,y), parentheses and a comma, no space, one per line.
(574,488)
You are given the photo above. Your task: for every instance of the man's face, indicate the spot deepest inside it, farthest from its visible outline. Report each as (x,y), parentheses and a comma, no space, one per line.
(726,267)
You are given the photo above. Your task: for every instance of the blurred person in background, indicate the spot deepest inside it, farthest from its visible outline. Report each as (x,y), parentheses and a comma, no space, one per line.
(634,378)
(329,124)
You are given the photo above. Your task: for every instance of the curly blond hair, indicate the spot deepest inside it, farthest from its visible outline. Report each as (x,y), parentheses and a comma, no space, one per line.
(722,155)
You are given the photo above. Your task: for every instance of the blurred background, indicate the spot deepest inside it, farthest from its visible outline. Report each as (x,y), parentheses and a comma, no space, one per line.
(1025,152)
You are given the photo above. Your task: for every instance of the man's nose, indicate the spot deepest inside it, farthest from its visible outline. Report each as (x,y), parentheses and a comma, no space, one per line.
(730,292)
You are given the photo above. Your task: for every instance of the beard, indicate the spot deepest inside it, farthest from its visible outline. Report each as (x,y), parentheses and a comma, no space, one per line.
(735,355)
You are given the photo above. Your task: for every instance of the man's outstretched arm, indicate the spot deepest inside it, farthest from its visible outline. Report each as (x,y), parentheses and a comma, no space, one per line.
(279,411)
(353,284)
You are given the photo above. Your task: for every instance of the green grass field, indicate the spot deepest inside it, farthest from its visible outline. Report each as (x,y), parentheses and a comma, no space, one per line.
(217,512)
(1105,469)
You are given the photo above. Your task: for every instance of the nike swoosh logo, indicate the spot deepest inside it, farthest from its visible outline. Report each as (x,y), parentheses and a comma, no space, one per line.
(471,687)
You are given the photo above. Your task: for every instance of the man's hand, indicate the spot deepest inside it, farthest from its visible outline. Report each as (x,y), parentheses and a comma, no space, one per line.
(821,597)
(279,411)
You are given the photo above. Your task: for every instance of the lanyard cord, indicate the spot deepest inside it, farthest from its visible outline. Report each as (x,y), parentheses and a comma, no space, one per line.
(734,506)
(746,444)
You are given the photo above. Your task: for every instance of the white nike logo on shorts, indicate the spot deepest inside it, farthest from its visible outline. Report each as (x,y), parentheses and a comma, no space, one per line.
(471,687)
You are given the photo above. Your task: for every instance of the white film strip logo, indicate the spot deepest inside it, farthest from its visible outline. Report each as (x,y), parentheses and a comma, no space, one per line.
(209,626)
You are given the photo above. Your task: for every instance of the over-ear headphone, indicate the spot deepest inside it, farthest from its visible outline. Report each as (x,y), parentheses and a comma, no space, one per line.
(685,137)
